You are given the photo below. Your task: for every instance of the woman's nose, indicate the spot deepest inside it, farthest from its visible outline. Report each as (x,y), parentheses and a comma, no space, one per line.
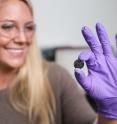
(21,37)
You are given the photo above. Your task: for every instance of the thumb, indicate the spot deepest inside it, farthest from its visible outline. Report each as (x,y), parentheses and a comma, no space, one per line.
(82,79)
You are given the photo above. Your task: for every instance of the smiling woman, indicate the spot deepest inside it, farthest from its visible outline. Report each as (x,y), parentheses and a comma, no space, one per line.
(16,31)
(16,43)
(33,91)
(16,39)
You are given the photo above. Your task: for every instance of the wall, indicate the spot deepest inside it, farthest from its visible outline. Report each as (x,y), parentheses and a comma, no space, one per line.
(59,21)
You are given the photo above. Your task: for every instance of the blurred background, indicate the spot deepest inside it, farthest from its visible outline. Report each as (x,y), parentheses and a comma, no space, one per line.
(60,21)
(59,24)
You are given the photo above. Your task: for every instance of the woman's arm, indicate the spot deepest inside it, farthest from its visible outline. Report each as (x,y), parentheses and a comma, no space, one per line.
(103,120)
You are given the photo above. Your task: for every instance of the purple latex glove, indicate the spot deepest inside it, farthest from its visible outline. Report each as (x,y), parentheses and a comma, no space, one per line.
(116,39)
(101,81)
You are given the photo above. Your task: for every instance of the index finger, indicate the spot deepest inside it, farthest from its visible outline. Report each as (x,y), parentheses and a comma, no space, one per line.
(91,41)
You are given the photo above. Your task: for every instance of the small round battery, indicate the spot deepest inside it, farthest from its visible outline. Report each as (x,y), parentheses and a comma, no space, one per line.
(78,63)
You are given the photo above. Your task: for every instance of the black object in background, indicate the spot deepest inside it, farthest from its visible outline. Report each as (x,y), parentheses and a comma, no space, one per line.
(49,54)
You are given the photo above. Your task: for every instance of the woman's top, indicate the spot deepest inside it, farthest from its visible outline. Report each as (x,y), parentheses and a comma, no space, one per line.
(71,105)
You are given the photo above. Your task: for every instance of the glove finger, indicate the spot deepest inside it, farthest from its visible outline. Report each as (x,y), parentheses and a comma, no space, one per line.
(88,57)
(104,40)
(116,39)
(81,78)
(91,41)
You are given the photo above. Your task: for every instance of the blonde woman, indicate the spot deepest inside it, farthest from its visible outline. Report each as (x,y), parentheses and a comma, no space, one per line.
(33,91)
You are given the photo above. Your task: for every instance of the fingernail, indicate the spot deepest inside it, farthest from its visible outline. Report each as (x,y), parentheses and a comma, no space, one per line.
(98,23)
(99,26)
(86,32)
(84,28)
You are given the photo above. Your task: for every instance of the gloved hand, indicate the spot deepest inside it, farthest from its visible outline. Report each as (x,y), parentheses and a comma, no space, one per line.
(101,81)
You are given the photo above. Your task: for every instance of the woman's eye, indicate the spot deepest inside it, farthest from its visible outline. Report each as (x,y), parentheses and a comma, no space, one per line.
(7,27)
(30,28)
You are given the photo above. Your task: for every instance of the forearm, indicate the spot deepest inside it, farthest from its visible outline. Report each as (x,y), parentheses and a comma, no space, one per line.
(103,120)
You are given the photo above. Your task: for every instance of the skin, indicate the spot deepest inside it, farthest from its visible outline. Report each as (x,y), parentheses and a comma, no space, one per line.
(102,120)
(11,61)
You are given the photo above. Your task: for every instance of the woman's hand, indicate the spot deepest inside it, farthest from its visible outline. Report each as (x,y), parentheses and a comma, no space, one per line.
(101,81)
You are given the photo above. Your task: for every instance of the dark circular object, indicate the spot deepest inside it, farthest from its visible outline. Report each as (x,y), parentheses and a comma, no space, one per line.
(78,63)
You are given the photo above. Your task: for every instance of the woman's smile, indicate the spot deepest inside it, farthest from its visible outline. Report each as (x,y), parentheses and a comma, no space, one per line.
(16,51)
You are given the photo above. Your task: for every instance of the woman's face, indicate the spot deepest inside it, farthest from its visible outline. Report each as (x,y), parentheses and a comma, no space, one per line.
(16,33)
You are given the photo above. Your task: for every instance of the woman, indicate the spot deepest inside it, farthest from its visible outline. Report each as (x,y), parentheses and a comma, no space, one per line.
(101,81)
(33,91)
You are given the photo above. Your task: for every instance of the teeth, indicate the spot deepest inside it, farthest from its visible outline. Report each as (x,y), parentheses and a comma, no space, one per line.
(15,50)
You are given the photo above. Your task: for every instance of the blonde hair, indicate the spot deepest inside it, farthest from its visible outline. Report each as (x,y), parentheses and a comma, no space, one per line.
(31,92)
